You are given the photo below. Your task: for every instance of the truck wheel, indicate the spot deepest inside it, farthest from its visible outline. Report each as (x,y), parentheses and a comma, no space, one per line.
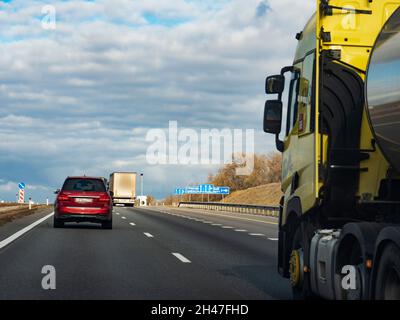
(387,285)
(57,223)
(299,280)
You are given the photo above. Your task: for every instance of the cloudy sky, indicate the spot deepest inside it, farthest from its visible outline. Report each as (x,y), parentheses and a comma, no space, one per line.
(80,99)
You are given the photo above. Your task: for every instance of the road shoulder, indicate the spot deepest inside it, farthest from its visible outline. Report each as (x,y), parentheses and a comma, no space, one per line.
(20,222)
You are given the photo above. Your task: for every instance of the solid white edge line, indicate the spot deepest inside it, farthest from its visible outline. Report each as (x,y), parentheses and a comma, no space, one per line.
(181,258)
(148,235)
(21,232)
(241,218)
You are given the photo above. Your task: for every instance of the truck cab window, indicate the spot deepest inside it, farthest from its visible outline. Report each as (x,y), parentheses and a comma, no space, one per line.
(292,105)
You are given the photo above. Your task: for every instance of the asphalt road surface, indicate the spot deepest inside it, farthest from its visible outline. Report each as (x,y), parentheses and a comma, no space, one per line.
(160,253)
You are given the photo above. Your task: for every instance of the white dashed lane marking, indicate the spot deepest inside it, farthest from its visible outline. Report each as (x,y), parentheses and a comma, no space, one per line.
(148,235)
(222,226)
(132,224)
(181,258)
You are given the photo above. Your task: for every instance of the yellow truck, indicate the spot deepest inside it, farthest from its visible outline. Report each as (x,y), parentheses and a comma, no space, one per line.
(339,224)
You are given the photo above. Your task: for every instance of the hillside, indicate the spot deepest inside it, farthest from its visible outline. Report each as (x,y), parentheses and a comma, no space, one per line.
(268,194)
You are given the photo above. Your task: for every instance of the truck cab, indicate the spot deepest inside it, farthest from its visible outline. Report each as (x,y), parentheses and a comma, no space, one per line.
(340,170)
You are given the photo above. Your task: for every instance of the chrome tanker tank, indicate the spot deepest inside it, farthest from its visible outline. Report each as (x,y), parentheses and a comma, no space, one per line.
(383,90)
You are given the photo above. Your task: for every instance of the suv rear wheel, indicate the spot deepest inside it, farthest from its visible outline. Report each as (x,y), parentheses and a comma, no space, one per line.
(107,225)
(57,223)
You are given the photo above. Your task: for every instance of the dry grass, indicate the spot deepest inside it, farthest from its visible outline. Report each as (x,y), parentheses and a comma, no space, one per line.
(17,212)
(268,195)
(8,204)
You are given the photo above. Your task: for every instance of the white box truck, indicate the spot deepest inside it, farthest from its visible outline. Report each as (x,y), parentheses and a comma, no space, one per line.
(122,188)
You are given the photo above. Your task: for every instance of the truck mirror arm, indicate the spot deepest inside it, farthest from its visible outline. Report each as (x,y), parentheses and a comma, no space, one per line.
(279,144)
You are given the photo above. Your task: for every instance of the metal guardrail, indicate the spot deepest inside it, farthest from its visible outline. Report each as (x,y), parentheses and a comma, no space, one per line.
(272,211)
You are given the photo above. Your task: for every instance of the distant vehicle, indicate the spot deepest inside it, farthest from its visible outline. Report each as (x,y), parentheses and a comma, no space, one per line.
(122,188)
(83,199)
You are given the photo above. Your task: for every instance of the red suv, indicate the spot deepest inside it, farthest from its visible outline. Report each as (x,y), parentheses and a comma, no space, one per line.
(83,199)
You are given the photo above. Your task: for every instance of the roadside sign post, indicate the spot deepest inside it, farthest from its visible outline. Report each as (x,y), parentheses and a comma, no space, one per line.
(21,193)
(141,184)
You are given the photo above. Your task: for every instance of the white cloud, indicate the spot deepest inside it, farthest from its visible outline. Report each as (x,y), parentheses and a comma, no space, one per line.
(81,98)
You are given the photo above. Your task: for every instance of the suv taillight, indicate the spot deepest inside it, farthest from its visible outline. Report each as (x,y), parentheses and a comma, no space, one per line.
(104,198)
(62,197)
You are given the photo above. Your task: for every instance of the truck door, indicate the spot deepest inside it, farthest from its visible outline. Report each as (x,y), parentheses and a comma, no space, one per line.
(298,169)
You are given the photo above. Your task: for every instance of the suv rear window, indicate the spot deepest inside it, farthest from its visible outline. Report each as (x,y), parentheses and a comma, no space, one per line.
(89,185)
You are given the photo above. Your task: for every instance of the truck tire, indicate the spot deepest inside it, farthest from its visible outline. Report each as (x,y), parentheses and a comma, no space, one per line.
(301,291)
(387,286)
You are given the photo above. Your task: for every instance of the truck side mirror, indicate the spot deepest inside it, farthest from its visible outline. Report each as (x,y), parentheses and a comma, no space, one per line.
(273,116)
(57,191)
(275,84)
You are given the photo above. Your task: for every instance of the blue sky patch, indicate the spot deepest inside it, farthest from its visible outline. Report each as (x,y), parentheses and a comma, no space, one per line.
(154,19)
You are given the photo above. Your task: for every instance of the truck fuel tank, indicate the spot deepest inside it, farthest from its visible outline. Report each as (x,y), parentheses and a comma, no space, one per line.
(383,90)
(324,280)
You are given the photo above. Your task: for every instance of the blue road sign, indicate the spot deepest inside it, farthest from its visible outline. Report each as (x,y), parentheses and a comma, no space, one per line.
(21,186)
(203,189)
(193,190)
(180,191)
(224,190)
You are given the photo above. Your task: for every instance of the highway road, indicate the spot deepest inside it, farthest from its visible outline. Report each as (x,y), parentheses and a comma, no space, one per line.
(159,253)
